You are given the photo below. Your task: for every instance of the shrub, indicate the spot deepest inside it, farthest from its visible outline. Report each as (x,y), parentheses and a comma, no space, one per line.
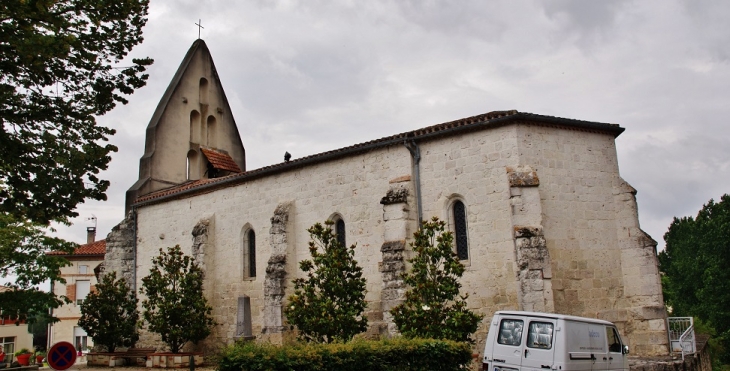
(109,315)
(175,306)
(327,306)
(399,354)
(433,307)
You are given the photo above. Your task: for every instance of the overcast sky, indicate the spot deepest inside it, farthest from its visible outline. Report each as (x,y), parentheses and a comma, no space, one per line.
(310,76)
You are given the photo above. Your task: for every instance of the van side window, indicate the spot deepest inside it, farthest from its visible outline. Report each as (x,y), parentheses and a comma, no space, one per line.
(540,335)
(614,341)
(510,332)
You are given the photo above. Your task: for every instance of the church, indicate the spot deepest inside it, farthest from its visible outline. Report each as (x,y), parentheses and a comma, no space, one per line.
(542,219)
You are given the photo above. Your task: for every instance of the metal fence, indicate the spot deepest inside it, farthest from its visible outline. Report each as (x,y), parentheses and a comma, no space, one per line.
(682,335)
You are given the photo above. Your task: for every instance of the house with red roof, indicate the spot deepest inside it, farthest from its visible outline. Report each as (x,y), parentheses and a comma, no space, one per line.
(80,281)
(13,336)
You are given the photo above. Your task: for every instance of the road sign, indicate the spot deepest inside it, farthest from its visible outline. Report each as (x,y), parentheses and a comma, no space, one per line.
(61,356)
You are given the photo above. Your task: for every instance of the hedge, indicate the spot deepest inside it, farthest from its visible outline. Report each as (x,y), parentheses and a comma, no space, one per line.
(396,354)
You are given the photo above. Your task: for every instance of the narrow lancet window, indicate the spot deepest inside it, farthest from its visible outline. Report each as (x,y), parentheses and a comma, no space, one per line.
(460,232)
(251,253)
(340,231)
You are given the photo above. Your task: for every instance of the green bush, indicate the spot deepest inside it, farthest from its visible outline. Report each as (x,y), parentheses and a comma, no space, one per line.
(327,305)
(433,307)
(399,354)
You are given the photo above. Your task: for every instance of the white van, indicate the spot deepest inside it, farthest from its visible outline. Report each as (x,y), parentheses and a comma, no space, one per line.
(539,341)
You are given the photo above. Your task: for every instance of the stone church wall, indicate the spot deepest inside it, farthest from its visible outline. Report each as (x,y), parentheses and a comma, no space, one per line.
(351,188)
(545,217)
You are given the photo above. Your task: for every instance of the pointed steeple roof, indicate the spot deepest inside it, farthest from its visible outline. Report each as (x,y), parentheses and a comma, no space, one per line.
(192,113)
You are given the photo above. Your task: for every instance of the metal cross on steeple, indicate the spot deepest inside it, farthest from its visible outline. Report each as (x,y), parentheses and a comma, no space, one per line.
(200,25)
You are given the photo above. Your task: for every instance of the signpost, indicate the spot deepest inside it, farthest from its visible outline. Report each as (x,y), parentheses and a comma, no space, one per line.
(61,356)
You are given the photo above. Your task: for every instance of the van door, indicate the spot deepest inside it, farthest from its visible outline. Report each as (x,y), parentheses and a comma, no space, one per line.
(539,350)
(600,347)
(507,350)
(586,346)
(616,360)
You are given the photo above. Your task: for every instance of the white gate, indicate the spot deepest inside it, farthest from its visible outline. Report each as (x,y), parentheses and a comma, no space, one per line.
(682,335)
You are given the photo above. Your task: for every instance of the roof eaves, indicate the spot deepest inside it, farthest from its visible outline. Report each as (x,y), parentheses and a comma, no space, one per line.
(491,119)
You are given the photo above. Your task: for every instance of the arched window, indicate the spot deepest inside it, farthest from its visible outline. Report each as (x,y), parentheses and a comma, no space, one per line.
(340,231)
(460,232)
(211,132)
(193,165)
(203,94)
(249,254)
(195,126)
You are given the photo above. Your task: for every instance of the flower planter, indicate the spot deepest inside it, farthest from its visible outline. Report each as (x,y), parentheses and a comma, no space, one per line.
(23,359)
(173,360)
(39,359)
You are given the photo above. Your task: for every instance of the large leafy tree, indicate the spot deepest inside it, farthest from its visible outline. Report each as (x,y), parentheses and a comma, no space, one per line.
(175,306)
(109,315)
(328,304)
(433,307)
(23,247)
(59,70)
(695,267)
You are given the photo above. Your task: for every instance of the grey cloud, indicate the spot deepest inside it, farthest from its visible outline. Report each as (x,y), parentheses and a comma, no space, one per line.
(310,76)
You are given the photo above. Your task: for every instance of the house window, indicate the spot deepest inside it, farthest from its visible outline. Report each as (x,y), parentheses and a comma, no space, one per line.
(460,231)
(83,269)
(82,290)
(8,345)
(340,231)
(80,339)
(249,254)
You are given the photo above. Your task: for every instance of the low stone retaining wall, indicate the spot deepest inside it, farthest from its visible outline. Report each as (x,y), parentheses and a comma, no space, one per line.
(105,359)
(699,361)
(172,360)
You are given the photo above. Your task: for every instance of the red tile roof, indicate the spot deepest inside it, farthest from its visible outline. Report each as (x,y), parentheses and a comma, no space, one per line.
(480,122)
(97,248)
(221,160)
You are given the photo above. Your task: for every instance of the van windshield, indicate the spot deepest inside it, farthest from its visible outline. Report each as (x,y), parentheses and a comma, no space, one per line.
(510,332)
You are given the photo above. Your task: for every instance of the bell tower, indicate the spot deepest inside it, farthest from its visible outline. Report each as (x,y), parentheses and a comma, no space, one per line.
(192,134)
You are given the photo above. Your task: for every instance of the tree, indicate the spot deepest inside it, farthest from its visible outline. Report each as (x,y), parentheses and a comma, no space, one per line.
(327,306)
(57,73)
(431,308)
(39,329)
(23,247)
(695,266)
(175,306)
(109,315)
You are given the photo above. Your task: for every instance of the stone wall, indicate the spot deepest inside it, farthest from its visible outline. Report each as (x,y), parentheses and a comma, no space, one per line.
(120,251)
(601,264)
(699,361)
(552,242)
(275,282)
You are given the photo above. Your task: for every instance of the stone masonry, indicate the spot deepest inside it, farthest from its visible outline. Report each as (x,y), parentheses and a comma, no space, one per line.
(120,252)
(275,283)
(396,217)
(567,242)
